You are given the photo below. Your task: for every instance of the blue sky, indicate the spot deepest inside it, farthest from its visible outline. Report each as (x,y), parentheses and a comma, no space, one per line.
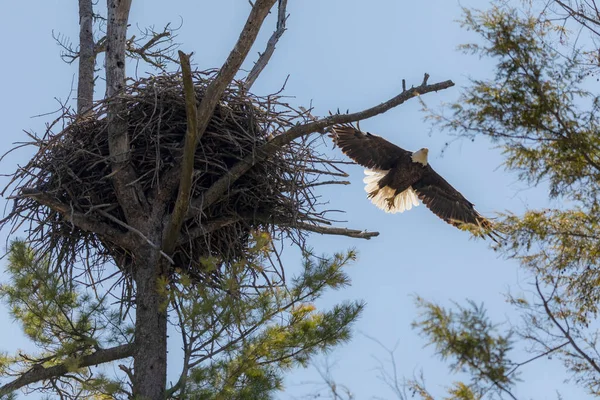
(345,54)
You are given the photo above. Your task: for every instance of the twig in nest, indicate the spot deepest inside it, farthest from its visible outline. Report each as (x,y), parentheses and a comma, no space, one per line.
(137,232)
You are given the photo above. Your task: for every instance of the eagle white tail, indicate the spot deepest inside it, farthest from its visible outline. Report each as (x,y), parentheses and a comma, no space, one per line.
(402,202)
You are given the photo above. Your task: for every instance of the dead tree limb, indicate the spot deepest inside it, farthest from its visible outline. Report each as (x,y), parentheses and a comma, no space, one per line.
(78,219)
(265,57)
(39,373)
(155,48)
(215,89)
(118,16)
(132,201)
(328,230)
(221,186)
(85,82)
(187,163)
(233,63)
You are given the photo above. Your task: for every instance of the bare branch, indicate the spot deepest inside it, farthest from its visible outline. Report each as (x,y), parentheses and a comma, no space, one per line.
(157,48)
(87,58)
(536,357)
(136,232)
(233,63)
(222,185)
(563,330)
(265,57)
(187,163)
(580,16)
(80,220)
(327,230)
(39,373)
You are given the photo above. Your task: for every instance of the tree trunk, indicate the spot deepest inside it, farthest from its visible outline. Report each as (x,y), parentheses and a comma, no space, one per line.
(131,198)
(116,31)
(87,58)
(150,354)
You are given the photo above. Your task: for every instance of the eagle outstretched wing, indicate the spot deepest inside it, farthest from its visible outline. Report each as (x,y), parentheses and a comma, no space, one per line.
(366,149)
(448,203)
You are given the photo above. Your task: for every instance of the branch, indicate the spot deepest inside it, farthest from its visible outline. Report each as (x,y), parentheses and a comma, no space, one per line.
(538,356)
(564,331)
(152,51)
(132,201)
(215,89)
(265,57)
(221,186)
(187,163)
(157,50)
(205,228)
(326,230)
(136,232)
(39,373)
(87,60)
(579,14)
(80,220)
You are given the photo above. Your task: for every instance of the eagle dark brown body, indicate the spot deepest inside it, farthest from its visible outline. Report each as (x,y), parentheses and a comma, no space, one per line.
(397,178)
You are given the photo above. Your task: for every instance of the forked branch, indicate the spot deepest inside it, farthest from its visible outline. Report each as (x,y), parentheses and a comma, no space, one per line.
(265,57)
(205,109)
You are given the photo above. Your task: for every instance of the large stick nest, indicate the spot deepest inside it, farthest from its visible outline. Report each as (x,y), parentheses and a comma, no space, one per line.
(72,168)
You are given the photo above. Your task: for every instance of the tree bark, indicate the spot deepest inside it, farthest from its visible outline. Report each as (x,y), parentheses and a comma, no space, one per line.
(265,57)
(131,198)
(87,58)
(116,31)
(150,350)
(150,354)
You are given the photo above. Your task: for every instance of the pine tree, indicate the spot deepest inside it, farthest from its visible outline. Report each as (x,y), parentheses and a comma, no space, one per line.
(541,110)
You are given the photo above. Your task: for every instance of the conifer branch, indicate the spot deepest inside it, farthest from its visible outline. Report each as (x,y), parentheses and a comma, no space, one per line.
(38,373)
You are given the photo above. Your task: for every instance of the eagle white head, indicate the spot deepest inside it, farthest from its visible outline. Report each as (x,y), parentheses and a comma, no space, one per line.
(420,156)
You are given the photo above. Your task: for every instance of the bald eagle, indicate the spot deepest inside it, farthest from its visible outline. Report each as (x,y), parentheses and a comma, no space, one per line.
(396,179)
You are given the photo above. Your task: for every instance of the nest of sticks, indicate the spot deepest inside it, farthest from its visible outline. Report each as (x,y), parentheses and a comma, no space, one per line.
(71,170)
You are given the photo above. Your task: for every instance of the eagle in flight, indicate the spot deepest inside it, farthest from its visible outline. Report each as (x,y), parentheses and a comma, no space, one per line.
(396,179)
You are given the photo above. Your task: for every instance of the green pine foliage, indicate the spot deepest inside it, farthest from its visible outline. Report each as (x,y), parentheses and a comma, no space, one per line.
(469,340)
(237,343)
(540,110)
(64,322)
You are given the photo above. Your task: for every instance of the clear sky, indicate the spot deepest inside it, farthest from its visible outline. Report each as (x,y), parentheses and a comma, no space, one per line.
(346,54)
